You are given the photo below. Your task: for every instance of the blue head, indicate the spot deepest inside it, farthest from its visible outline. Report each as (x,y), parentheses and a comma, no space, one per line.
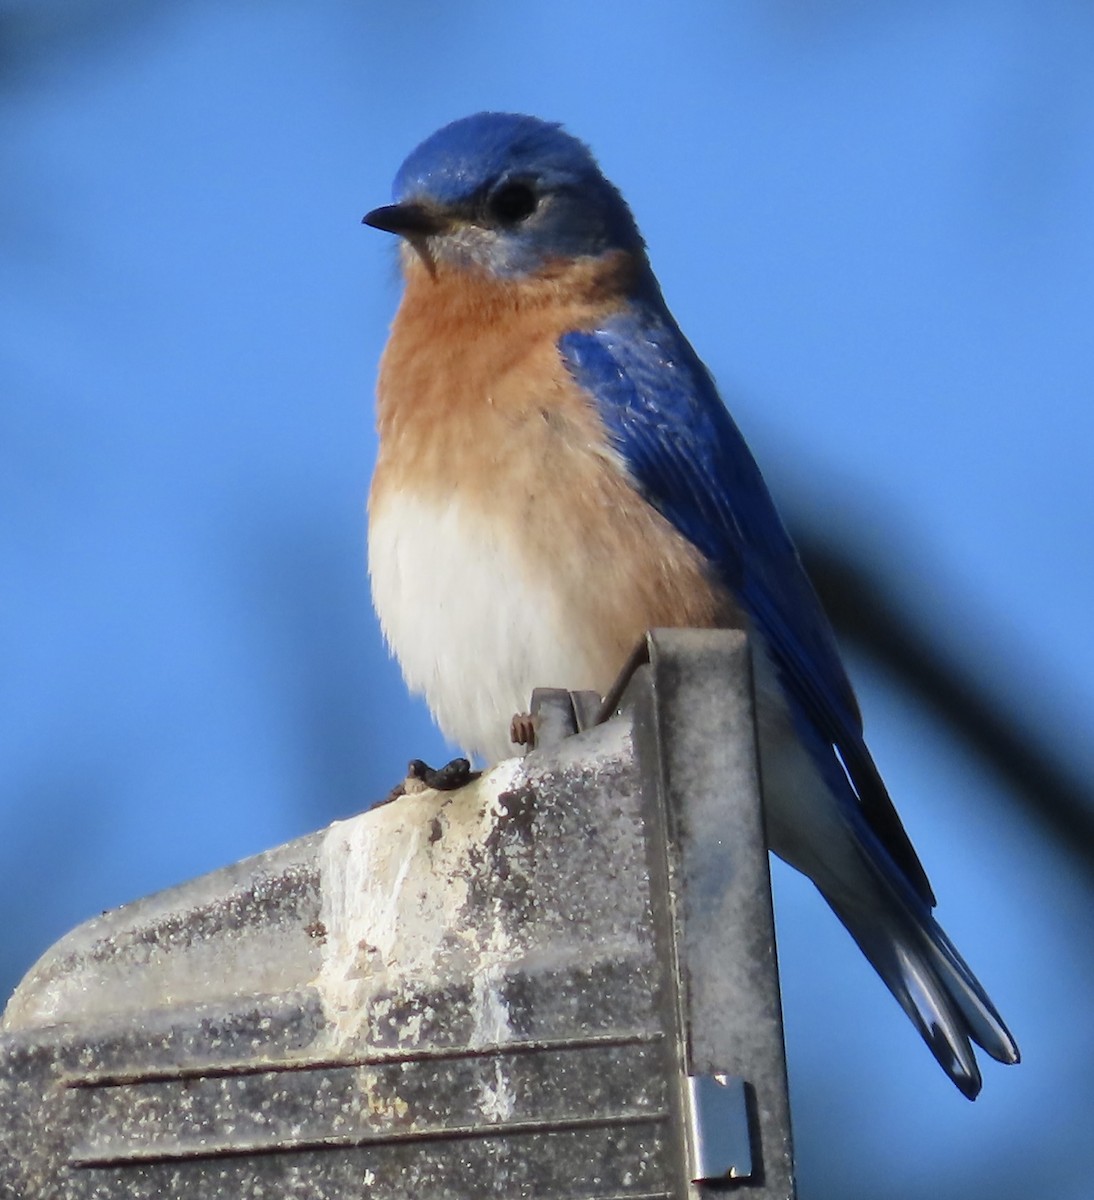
(507,194)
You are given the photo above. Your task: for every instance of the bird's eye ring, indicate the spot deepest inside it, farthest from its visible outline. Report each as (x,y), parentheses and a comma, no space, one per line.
(512,202)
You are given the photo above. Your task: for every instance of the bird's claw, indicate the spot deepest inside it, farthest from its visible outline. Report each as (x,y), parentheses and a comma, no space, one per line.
(452,775)
(421,777)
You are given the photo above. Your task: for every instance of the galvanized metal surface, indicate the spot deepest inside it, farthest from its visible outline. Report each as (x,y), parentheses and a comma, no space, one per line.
(499,991)
(694,733)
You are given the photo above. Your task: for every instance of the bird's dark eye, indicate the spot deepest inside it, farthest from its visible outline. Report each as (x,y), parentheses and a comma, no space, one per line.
(512,202)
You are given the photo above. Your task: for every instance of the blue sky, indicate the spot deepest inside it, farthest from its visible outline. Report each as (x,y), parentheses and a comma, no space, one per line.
(873,221)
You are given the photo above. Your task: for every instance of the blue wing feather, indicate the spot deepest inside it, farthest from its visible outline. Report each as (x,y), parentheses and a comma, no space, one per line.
(687,457)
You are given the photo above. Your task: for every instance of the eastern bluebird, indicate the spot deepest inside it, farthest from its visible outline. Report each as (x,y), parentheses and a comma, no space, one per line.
(557,474)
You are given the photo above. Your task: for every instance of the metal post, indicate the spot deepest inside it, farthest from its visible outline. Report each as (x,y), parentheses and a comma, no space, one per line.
(695,732)
(557,982)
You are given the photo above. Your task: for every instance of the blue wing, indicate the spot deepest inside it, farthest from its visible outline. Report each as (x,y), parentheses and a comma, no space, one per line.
(689,460)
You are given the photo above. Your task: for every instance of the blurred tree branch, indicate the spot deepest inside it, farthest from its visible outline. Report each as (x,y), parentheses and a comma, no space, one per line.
(867,615)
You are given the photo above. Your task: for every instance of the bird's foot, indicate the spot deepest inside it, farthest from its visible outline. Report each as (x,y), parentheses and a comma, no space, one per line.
(453,775)
(421,777)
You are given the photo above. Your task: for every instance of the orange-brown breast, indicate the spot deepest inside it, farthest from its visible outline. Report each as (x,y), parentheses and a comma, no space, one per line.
(475,407)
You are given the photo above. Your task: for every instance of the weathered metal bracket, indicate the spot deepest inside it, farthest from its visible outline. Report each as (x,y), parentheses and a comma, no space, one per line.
(719,1130)
(557,982)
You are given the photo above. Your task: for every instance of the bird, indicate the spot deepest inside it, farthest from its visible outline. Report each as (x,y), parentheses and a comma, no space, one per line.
(557,473)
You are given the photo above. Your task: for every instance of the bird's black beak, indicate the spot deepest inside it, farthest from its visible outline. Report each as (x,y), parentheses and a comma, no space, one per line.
(408,220)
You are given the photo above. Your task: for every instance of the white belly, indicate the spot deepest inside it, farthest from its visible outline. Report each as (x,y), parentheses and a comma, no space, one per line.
(472,629)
